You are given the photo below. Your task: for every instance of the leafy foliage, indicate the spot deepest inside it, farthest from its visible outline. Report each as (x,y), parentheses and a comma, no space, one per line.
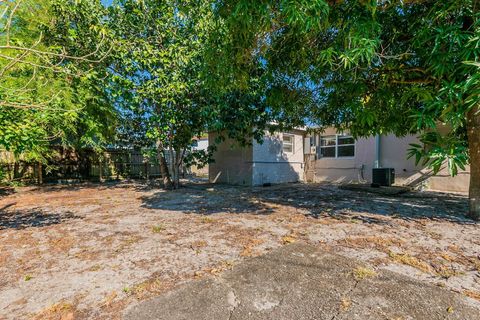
(157,72)
(370,67)
(51,53)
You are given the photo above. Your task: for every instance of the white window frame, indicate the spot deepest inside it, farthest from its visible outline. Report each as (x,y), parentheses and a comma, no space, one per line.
(292,136)
(337,145)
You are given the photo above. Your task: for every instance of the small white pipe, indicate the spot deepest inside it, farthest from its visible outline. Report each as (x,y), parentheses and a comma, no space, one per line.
(377,151)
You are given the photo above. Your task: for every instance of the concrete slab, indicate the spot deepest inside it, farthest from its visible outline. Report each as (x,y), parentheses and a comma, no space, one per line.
(304,282)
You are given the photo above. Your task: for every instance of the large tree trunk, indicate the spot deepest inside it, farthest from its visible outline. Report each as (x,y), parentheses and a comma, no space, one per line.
(167,182)
(473,128)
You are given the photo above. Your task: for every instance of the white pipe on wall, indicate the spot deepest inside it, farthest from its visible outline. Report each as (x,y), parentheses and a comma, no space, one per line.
(377,151)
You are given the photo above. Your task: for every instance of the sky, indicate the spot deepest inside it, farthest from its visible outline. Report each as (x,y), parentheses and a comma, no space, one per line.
(107,2)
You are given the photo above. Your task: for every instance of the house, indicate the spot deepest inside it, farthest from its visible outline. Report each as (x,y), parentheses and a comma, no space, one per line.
(200,143)
(331,156)
(279,159)
(340,158)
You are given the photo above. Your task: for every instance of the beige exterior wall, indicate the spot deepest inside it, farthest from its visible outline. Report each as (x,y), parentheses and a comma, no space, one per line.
(393,154)
(260,163)
(442,181)
(272,165)
(355,169)
(233,164)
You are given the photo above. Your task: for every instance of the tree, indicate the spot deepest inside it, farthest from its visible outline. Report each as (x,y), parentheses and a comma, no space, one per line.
(50,84)
(158,77)
(372,67)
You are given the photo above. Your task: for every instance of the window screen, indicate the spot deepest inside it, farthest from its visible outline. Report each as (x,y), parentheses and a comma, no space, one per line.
(288,143)
(337,146)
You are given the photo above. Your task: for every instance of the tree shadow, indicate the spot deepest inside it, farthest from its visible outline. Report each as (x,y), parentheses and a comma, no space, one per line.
(139,185)
(6,191)
(313,200)
(328,200)
(22,219)
(207,199)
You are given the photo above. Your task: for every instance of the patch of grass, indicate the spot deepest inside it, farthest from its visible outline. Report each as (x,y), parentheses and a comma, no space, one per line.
(207,220)
(27,277)
(61,244)
(447,272)
(158,228)
(288,239)
(132,240)
(198,244)
(361,273)
(447,257)
(476,264)
(107,301)
(127,290)
(378,243)
(146,287)
(61,310)
(472,294)
(291,237)
(96,267)
(434,235)
(406,259)
(345,304)
(248,249)
(217,269)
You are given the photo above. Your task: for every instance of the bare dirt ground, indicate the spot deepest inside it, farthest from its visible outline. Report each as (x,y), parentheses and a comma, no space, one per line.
(90,250)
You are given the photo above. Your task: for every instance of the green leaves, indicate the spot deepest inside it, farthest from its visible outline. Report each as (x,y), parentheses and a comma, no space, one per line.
(51,59)
(438,151)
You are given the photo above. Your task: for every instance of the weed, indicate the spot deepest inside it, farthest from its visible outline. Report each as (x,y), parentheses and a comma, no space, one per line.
(197,245)
(446,272)
(158,228)
(96,267)
(248,249)
(207,220)
(345,304)
(405,258)
(361,273)
(27,277)
(290,237)
(60,310)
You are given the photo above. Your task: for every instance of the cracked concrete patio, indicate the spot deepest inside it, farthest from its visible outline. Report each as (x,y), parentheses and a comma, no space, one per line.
(303,282)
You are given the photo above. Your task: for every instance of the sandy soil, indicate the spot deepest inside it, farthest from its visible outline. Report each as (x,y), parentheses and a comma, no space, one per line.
(88,251)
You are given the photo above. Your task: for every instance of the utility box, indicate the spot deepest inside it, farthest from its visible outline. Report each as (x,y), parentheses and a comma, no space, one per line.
(383,176)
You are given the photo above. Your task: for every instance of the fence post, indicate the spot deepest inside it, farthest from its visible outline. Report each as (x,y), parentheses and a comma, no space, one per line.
(40,173)
(147,170)
(100,165)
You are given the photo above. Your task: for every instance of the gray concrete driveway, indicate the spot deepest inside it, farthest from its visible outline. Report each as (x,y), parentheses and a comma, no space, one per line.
(302,282)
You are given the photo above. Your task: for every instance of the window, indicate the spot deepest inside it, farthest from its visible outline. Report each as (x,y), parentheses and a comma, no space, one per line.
(328,145)
(337,146)
(288,143)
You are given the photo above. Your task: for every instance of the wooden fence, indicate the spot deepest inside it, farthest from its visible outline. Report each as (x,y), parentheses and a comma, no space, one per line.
(68,165)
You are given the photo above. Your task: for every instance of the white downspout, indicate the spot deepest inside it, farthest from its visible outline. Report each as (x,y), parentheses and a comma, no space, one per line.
(377,163)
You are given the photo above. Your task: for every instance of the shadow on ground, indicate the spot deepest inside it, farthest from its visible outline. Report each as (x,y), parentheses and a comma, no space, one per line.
(21,219)
(207,199)
(315,200)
